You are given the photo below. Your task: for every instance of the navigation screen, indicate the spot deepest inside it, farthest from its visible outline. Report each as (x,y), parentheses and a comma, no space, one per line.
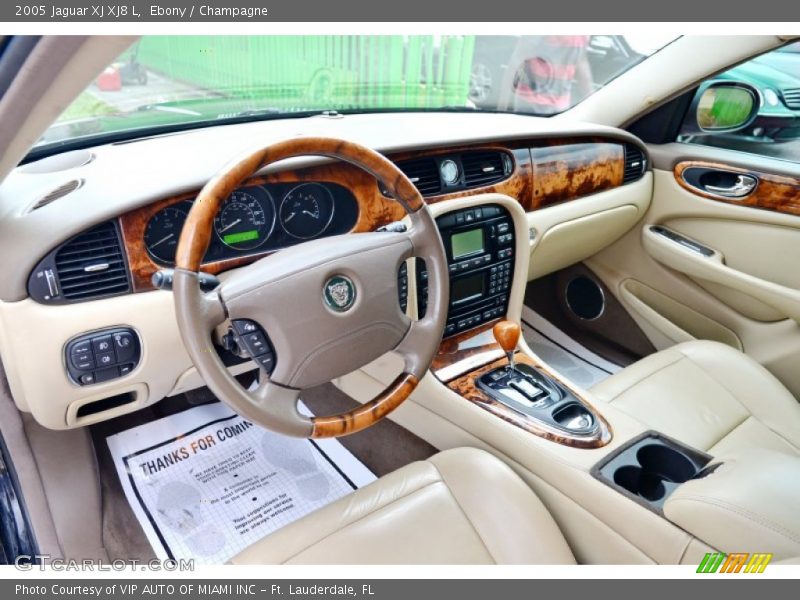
(466,288)
(467,242)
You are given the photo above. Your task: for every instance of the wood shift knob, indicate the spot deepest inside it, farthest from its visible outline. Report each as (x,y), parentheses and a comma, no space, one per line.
(507,335)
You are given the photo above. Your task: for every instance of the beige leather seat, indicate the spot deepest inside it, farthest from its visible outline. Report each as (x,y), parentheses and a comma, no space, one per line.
(709,396)
(461,506)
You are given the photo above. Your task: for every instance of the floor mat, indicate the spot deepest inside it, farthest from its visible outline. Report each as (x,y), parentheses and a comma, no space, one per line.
(562,353)
(206,483)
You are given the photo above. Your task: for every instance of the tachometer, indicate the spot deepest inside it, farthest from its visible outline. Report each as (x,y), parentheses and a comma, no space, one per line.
(246,219)
(307,210)
(163,230)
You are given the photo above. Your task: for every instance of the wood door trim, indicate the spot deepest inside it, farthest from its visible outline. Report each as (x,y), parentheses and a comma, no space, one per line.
(777,193)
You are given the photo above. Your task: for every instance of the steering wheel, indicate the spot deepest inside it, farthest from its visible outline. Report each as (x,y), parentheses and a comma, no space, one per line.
(329,306)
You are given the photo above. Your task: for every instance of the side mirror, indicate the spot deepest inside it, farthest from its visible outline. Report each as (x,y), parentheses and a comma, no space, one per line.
(722,107)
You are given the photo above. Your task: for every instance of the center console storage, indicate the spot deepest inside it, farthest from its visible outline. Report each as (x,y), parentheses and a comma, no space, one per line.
(650,468)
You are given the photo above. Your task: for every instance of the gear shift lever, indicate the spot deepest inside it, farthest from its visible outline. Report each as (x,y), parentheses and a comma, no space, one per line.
(507,335)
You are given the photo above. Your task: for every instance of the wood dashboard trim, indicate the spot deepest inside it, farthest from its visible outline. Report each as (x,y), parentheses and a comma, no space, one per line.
(777,193)
(546,173)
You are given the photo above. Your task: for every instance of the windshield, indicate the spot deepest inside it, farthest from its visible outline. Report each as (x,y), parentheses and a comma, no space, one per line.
(168,81)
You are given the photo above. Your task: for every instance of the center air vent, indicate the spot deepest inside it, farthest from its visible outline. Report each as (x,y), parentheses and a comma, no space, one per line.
(635,163)
(485,167)
(90,265)
(424,174)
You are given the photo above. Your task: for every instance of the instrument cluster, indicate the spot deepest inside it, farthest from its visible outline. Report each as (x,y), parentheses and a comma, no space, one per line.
(258,219)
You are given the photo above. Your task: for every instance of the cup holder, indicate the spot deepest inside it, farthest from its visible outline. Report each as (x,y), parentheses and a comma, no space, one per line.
(651,467)
(640,482)
(666,463)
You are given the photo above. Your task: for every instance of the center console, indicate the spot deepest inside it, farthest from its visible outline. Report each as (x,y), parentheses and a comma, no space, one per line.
(479,243)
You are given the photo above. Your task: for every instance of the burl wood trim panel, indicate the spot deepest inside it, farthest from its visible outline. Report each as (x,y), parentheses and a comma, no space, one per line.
(778,193)
(461,354)
(374,210)
(366,414)
(466,386)
(198,228)
(565,171)
(519,184)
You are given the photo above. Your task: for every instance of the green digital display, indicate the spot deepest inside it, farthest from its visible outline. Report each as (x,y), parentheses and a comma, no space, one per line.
(467,242)
(241,236)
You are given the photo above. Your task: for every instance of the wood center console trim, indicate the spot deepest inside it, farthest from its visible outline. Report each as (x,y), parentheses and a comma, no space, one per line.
(466,387)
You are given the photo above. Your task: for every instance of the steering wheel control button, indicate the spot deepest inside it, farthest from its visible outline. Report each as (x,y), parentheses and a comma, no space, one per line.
(243,326)
(266,361)
(102,355)
(339,293)
(254,342)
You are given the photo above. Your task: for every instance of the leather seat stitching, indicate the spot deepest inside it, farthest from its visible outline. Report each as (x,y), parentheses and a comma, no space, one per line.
(735,397)
(756,518)
(364,516)
(464,512)
(642,378)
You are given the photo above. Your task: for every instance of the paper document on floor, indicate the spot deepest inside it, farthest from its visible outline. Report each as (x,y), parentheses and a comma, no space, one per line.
(206,483)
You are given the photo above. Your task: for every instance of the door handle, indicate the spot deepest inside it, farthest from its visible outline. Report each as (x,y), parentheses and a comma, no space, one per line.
(743,186)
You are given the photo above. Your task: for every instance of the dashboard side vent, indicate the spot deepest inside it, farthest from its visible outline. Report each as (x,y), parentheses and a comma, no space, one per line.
(635,163)
(92,265)
(59,192)
(424,174)
(484,167)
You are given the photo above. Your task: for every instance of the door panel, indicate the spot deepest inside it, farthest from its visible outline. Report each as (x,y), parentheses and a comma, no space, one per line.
(732,272)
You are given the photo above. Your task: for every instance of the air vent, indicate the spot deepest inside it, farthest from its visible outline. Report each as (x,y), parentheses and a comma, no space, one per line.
(59,192)
(91,265)
(484,168)
(635,163)
(424,174)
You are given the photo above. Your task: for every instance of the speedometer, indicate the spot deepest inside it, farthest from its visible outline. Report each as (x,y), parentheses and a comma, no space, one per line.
(307,210)
(246,219)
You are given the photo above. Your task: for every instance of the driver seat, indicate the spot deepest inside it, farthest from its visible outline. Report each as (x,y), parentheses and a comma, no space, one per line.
(461,506)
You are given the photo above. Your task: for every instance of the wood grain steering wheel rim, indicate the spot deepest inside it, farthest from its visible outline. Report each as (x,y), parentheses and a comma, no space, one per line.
(273,404)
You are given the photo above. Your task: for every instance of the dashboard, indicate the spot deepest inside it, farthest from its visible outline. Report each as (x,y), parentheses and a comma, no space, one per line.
(97,225)
(290,206)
